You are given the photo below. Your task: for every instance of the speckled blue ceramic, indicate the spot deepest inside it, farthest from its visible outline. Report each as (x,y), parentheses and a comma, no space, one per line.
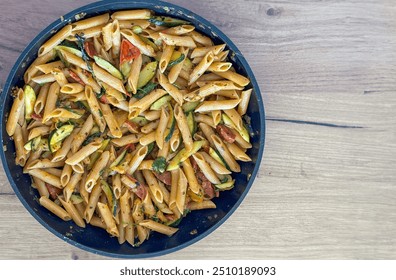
(95,240)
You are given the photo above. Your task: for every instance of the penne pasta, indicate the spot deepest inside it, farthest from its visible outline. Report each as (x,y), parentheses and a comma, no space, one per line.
(16,110)
(55,40)
(54,208)
(90,22)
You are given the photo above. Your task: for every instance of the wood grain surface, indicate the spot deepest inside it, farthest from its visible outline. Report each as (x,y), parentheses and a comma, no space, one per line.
(327,184)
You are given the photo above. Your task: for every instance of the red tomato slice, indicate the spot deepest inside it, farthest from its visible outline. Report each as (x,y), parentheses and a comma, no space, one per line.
(103,99)
(90,49)
(76,78)
(128,52)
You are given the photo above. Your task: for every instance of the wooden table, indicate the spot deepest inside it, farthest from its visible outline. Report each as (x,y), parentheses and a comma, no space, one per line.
(327,184)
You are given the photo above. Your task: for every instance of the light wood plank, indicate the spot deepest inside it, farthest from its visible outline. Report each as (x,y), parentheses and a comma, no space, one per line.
(327,185)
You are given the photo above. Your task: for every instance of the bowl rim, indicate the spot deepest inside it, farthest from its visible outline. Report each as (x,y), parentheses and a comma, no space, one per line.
(70,17)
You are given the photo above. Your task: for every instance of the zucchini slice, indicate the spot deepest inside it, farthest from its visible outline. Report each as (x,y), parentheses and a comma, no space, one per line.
(142,92)
(140,121)
(118,160)
(76,198)
(108,67)
(167,21)
(71,50)
(149,42)
(170,127)
(190,106)
(216,155)
(30,100)
(57,135)
(157,105)
(112,201)
(176,58)
(243,132)
(33,144)
(225,186)
(192,124)
(147,73)
(183,154)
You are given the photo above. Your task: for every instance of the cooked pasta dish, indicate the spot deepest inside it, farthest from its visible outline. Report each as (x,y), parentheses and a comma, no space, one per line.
(128,121)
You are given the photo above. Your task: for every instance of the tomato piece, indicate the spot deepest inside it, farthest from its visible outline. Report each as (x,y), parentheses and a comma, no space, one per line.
(130,147)
(53,191)
(132,127)
(103,99)
(128,52)
(90,49)
(76,78)
(37,117)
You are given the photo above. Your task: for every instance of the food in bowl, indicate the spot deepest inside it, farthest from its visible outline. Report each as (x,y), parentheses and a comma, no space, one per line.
(128,121)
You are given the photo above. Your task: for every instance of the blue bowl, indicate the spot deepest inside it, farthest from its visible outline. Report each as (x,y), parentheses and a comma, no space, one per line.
(197,224)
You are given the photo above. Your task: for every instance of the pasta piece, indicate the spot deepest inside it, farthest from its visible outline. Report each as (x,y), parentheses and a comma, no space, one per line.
(90,22)
(181,41)
(137,41)
(54,208)
(95,108)
(55,40)
(201,67)
(16,110)
(105,213)
(158,227)
(181,191)
(108,79)
(93,201)
(131,14)
(183,127)
(72,212)
(96,171)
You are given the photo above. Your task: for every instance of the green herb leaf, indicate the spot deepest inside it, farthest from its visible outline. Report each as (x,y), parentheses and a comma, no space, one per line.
(159,165)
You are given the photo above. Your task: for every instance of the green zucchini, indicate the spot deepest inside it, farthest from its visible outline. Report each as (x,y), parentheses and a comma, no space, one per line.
(104,64)
(167,21)
(57,135)
(111,200)
(142,92)
(157,105)
(30,100)
(216,155)
(76,198)
(72,50)
(225,186)
(147,73)
(171,125)
(183,154)
(190,106)
(126,68)
(176,58)
(150,148)
(137,29)
(91,137)
(33,144)
(141,121)
(187,65)
(95,156)
(119,159)
(149,42)
(243,132)
(192,124)
(64,61)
